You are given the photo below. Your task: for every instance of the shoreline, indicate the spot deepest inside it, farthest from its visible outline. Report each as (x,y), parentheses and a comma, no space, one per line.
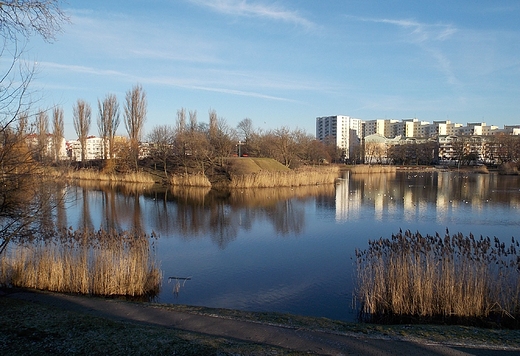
(45,318)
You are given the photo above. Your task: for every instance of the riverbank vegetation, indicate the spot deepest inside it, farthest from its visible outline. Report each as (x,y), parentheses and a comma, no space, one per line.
(94,174)
(106,263)
(447,279)
(266,173)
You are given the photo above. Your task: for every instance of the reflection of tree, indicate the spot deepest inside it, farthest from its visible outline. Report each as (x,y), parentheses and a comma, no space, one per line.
(287,217)
(61,215)
(223,225)
(137,224)
(201,213)
(109,211)
(85,222)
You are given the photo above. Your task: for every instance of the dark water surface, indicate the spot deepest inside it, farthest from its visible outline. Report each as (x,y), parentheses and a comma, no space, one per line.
(291,250)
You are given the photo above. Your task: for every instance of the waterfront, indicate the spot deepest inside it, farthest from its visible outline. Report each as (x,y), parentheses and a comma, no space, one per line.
(291,250)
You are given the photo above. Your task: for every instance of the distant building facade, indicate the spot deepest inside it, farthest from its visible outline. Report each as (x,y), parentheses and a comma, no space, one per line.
(477,139)
(345,131)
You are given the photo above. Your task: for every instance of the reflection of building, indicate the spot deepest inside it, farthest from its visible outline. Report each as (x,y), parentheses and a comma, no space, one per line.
(348,204)
(345,131)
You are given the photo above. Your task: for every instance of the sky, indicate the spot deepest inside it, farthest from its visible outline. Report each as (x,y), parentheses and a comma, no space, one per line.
(282,63)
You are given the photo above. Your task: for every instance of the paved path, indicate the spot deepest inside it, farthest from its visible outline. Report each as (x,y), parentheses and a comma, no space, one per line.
(319,343)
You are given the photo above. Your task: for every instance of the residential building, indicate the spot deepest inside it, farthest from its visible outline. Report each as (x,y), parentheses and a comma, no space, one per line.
(383,127)
(94,149)
(345,131)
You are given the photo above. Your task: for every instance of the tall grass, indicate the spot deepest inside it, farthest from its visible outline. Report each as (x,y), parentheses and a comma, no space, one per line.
(366,168)
(190,180)
(96,175)
(87,262)
(434,277)
(296,178)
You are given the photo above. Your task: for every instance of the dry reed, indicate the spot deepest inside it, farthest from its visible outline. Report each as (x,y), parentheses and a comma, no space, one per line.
(434,277)
(95,175)
(296,178)
(366,168)
(86,262)
(190,180)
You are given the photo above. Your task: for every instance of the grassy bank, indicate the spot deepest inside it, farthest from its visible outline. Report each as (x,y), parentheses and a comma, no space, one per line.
(37,329)
(268,173)
(248,172)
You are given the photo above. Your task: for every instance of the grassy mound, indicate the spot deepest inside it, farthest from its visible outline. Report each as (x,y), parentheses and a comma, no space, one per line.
(246,165)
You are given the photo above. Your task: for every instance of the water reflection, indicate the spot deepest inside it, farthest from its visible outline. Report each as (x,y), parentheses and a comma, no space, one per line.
(196,213)
(412,195)
(289,250)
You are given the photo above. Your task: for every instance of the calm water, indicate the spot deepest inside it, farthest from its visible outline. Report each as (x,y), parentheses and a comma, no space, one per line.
(291,250)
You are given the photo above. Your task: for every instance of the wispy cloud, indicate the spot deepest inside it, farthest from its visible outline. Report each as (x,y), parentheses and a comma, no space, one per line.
(419,32)
(427,37)
(187,83)
(255,9)
(81,69)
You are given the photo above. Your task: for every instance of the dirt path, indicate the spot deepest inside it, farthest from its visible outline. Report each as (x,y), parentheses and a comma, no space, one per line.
(312,342)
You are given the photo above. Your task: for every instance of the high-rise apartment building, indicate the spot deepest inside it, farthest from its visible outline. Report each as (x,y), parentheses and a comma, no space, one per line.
(346,132)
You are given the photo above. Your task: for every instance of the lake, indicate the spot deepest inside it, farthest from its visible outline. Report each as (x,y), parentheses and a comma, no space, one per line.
(292,250)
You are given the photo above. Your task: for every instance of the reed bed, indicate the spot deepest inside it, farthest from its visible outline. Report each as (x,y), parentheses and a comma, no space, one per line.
(190,180)
(95,175)
(86,262)
(296,178)
(415,277)
(367,168)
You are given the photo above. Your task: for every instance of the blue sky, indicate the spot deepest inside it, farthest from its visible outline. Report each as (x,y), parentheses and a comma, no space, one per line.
(283,63)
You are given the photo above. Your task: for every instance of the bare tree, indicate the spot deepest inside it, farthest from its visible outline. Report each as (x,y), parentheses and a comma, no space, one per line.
(193,120)
(245,133)
(108,122)
(42,130)
(135,117)
(58,132)
(82,119)
(181,120)
(284,146)
(223,141)
(245,129)
(20,20)
(161,139)
(213,122)
(29,17)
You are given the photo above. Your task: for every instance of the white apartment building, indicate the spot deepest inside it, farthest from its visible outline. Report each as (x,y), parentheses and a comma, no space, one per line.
(94,149)
(346,131)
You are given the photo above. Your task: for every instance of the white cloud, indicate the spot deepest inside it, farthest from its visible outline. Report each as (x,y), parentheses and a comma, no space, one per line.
(428,38)
(251,9)
(419,32)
